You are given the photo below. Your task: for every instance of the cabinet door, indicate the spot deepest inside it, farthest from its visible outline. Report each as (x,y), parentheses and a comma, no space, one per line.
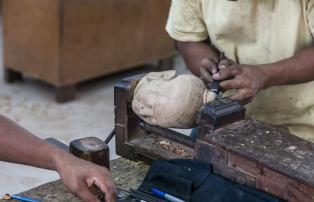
(32,37)
(104,36)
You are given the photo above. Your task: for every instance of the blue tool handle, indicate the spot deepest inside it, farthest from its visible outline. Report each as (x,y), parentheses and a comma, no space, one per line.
(163,195)
(158,193)
(214,87)
(172,198)
(24,198)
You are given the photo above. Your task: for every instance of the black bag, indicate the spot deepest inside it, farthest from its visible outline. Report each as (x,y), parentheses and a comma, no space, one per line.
(194,181)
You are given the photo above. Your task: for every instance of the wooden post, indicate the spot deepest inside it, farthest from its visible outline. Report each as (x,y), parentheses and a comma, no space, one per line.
(11,76)
(65,93)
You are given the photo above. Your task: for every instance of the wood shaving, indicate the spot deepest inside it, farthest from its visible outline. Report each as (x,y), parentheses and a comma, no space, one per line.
(175,149)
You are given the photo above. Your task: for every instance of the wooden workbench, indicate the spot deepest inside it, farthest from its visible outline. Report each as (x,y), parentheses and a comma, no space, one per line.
(125,173)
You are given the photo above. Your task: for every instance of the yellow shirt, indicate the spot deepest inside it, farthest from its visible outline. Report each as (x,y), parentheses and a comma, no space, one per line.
(256,32)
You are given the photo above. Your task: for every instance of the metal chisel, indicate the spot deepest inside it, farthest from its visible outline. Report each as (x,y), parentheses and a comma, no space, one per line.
(214,86)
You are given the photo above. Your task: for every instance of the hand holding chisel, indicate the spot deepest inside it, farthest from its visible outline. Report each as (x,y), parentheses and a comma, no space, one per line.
(209,67)
(214,86)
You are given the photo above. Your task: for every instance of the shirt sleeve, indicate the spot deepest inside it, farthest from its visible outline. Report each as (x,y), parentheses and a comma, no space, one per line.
(310,16)
(185,21)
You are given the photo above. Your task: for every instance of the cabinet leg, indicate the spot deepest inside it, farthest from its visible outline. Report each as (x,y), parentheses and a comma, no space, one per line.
(165,64)
(11,76)
(65,93)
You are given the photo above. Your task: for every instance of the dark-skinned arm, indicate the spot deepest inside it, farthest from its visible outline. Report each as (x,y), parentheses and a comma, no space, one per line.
(201,59)
(20,146)
(194,54)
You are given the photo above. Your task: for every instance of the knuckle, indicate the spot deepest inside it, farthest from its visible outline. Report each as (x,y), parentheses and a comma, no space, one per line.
(76,188)
(222,84)
(88,196)
(238,70)
(112,190)
(89,199)
(77,191)
(226,85)
(105,171)
(209,68)
(246,83)
(249,94)
(115,192)
(224,72)
(92,199)
(249,83)
(207,62)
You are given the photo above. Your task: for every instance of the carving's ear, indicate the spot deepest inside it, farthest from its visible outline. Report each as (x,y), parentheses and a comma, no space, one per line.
(165,75)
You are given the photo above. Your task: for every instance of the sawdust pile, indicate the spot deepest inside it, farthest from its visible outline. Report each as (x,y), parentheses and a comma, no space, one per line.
(175,149)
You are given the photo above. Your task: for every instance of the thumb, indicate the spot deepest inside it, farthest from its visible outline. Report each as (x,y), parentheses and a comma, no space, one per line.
(205,75)
(209,65)
(107,187)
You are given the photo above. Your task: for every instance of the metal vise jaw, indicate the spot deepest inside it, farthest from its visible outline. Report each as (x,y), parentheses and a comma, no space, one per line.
(219,113)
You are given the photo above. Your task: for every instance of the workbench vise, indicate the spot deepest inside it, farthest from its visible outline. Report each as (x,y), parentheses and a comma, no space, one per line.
(245,151)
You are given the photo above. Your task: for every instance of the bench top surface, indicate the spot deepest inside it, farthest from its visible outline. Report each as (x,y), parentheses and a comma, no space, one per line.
(125,173)
(273,148)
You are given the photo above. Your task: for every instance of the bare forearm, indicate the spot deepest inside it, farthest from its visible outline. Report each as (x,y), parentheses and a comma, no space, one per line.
(194,52)
(294,70)
(20,146)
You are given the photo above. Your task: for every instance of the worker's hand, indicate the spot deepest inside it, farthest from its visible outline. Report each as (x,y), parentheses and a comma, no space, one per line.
(247,79)
(79,175)
(210,67)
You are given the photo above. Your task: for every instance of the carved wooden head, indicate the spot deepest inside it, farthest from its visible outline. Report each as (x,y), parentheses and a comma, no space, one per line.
(169,100)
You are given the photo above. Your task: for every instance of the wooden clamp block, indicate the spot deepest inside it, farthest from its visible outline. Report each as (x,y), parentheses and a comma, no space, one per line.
(258,155)
(91,149)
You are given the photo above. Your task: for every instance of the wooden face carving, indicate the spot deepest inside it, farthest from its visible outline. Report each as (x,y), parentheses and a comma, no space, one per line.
(167,100)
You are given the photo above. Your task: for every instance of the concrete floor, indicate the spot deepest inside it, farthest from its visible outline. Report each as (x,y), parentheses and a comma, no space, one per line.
(31,104)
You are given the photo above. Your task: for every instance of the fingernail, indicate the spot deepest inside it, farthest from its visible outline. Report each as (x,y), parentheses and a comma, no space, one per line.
(214,71)
(222,66)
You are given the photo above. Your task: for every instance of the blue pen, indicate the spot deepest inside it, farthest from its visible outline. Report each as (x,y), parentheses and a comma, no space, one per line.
(24,198)
(163,195)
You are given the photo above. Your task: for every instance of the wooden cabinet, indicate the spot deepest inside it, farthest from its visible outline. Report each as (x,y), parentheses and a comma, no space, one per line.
(64,42)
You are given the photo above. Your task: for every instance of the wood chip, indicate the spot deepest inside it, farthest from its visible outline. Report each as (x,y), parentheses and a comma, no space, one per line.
(175,149)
